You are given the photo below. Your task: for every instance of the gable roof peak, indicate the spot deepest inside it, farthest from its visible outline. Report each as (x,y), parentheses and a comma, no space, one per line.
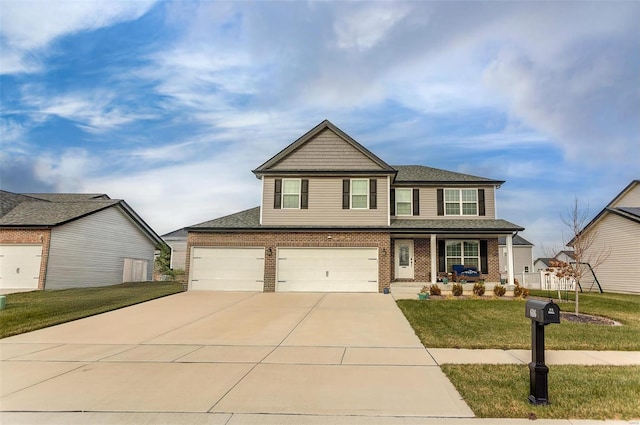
(341,138)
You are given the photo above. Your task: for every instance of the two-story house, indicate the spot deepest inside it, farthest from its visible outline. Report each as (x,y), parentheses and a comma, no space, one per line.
(335,217)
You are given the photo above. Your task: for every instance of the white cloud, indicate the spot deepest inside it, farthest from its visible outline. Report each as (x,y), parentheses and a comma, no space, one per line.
(67,171)
(28,25)
(366,25)
(94,111)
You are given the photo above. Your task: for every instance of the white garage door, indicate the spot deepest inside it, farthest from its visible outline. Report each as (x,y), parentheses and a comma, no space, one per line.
(20,266)
(327,270)
(227,269)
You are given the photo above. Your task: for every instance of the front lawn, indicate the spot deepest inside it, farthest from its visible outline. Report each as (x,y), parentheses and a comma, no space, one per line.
(575,392)
(500,323)
(29,311)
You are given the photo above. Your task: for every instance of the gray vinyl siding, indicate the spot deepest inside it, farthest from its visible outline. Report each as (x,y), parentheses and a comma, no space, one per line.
(325,206)
(621,236)
(178,254)
(429,202)
(90,251)
(326,151)
(630,199)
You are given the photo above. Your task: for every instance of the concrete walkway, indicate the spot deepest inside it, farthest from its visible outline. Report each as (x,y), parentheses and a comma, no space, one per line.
(246,358)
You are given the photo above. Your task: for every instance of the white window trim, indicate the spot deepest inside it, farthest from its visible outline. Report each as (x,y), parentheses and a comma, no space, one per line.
(410,201)
(351,195)
(462,256)
(461,202)
(299,195)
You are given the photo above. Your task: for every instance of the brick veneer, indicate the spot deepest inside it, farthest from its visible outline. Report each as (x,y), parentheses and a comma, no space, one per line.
(422,261)
(30,237)
(380,240)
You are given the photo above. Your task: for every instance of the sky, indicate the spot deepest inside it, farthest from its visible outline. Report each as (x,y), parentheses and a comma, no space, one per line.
(169,105)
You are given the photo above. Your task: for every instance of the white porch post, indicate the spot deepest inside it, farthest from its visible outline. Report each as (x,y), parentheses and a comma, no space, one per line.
(510,277)
(434,259)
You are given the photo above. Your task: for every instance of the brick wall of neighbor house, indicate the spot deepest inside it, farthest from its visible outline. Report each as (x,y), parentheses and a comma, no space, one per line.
(299,239)
(30,236)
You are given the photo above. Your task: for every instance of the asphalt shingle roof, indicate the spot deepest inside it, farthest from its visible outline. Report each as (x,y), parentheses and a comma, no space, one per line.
(517,240)
(43,213)
(422,174)
(68,197)
(250,220)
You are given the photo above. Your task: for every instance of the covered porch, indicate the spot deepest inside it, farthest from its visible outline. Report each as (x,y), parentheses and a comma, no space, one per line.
(428,251)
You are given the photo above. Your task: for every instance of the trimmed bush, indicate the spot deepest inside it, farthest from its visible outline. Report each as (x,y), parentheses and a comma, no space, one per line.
(519,291)
(456,289)
(435,290)
(478,289)
(499,290)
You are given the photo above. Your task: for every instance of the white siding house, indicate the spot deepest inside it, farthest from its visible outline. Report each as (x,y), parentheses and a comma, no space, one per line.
(616,231)
(83,241)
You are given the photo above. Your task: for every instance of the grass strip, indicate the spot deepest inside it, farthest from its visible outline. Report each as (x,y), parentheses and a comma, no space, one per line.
(575,392)
(500,323)
(29,311)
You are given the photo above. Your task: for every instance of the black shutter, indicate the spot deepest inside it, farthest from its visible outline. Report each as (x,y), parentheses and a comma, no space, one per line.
(442,267)
(277,195)
(304,194)
(416,201)
(373,194)
(440,202)
(346,183)
(481,207)
(392,196)
(484,258)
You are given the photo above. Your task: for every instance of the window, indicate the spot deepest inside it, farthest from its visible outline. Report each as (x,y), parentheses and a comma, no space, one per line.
(291,193)
(461,201)
(359,193)
(403,201)
(463,252)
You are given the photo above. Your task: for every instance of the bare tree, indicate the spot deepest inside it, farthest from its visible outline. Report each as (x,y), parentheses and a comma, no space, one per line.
(583,242)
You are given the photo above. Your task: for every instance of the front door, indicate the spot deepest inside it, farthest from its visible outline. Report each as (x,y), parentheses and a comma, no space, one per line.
(404,259)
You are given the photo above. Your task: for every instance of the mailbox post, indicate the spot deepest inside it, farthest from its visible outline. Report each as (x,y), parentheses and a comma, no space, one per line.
(541,314)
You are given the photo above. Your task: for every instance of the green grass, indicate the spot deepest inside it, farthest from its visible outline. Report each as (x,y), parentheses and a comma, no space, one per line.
(500,323)
(575,392)
(29,311)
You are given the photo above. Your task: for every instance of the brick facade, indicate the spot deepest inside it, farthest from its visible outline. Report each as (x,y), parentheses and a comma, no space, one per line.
(379,240)
(422,261)
(30,237)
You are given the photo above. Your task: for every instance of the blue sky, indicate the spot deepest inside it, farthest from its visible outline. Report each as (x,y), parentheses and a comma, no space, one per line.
(169,105)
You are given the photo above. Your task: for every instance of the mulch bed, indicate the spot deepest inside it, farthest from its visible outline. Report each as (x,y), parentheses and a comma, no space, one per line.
(586,319)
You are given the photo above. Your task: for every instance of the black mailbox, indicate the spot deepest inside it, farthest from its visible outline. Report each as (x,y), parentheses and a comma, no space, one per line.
(541,314)
(542,311)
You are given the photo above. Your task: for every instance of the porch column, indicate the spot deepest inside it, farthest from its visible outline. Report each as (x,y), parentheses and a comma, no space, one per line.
(434,259)
(510,277)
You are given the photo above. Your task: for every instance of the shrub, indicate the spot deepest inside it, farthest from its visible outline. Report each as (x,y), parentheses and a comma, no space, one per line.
(435,290)
(424,289)
(499,290)
(478,289)
(519,291)
(456,289)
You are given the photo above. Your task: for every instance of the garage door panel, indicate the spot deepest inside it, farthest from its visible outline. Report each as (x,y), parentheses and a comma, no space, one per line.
(20,266)
(327,270)
(227,269)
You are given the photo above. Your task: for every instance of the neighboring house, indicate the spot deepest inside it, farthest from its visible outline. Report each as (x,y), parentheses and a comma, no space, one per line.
(616,230)
(335,217)
(55,241)
(565,256)
(522,256)
(177,241)
(542,263)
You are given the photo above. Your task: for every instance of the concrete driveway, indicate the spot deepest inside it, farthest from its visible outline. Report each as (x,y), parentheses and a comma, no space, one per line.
(228,353)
